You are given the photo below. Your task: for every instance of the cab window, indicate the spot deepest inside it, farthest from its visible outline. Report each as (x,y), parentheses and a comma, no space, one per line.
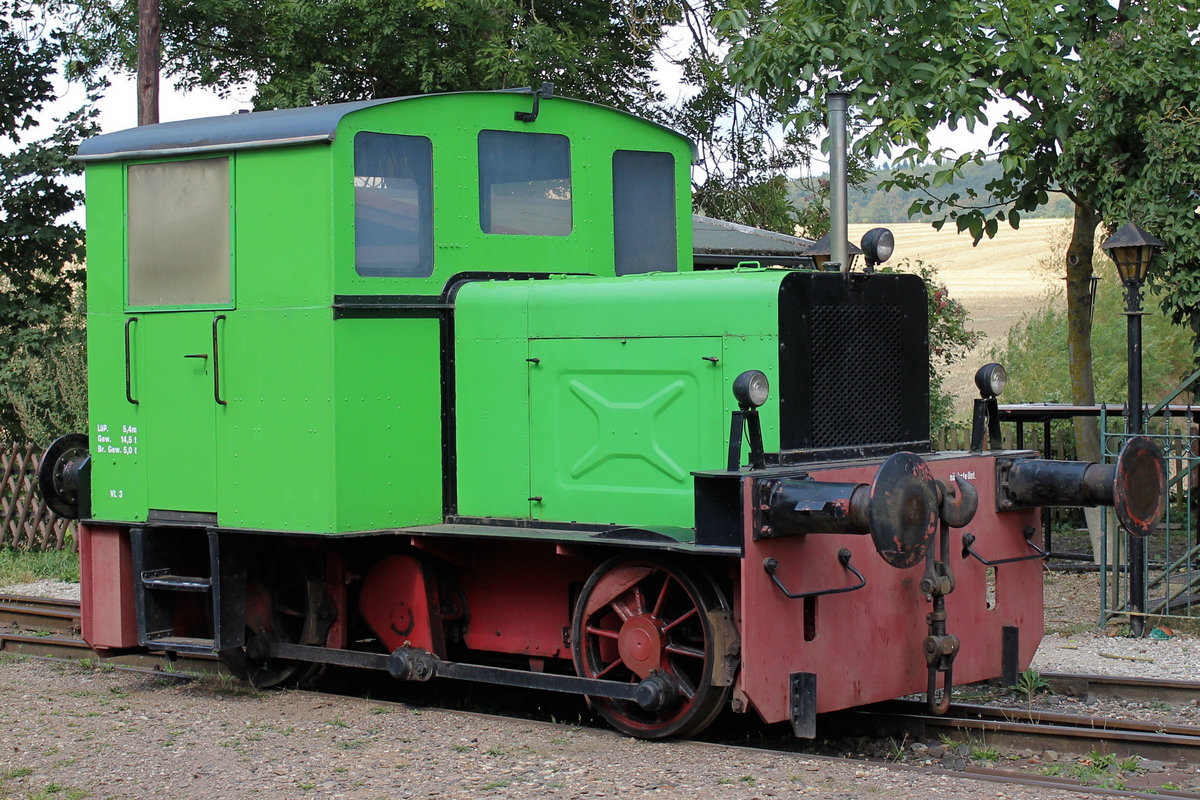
(393,205)
(179,233)
(644,212)
(524,183)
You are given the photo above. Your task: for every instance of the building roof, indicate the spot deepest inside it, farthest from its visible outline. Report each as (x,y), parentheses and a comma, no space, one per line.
(717,243)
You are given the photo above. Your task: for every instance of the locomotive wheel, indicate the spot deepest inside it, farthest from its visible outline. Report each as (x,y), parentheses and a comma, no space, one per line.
(285,602)
(643,616)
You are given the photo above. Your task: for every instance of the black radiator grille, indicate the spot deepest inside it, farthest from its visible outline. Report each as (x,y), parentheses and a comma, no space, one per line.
(858,363)
(853,362)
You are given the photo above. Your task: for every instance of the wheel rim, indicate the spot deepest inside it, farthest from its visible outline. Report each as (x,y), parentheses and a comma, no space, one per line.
(637,618)
(283,599)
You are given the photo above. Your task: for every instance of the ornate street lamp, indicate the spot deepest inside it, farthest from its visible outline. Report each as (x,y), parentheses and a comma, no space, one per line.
(1132,249)
(821,252)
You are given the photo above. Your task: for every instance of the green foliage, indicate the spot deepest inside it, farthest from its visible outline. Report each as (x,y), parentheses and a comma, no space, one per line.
(950,338)
(1140,148)
(39,253)
(985,754)
(300,52)
(912,66)
(48,389)
(19,566)
(1036,353)
(744,154)
(1031,683)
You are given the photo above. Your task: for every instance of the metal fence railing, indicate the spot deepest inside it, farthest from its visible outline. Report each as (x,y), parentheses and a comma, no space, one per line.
(1171,567)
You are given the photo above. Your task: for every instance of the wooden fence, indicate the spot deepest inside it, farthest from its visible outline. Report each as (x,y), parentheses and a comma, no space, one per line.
(29,524)
(1060,449)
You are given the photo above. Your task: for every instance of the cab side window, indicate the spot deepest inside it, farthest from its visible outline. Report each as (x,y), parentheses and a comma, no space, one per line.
(179,233)
(393,205)
(644,212)
(524,183)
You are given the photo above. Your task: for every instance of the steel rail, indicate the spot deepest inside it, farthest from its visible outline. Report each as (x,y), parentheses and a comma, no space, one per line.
(39,614)
(1008,726)
(1123,687)
(1019,728)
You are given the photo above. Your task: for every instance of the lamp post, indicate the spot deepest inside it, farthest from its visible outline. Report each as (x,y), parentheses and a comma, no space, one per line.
(1132,248)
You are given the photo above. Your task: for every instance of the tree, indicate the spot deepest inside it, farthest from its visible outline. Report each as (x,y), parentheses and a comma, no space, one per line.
(302,52)
(1141,146)
(40,253)
(912,65)
(745,154)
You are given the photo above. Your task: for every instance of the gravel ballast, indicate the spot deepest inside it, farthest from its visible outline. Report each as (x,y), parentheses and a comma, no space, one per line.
(101,734)
(78,731)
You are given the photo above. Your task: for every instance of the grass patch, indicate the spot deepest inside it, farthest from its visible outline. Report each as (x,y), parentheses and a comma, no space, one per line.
(985,754)
(53,790)
(1031,683)
(21,566)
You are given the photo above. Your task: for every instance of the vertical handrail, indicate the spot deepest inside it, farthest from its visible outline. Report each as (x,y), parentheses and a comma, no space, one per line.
(128,381)
(217,363)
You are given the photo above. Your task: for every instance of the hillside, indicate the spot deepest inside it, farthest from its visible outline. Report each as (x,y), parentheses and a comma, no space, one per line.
(869,204)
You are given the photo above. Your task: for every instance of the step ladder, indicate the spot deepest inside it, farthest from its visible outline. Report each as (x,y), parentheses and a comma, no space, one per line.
(160,584)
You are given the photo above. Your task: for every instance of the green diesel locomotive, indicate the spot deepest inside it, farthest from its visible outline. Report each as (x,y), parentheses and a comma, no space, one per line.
(431,385)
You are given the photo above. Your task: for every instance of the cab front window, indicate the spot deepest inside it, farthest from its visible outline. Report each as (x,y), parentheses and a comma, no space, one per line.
(524,183)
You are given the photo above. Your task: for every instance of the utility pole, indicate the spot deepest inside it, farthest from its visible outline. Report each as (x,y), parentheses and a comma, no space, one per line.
(148,61)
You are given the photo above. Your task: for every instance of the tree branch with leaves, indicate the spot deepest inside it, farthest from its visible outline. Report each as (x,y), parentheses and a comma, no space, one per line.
(913,65)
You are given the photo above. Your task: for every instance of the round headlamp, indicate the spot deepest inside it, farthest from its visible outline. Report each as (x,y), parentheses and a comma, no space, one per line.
(991,380)
(877,246)
(751,389)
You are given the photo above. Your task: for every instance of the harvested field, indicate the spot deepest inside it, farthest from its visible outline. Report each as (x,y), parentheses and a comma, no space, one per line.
(998,281)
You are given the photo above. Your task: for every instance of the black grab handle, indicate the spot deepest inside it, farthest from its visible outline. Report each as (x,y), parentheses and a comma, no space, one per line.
(967,552)
(128,382)
(217,363)
(770,565)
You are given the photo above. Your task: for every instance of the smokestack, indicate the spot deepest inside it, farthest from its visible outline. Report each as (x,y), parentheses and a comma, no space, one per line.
(838,227)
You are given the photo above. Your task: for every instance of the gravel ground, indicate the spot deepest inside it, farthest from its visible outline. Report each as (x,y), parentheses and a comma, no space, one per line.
(69,731)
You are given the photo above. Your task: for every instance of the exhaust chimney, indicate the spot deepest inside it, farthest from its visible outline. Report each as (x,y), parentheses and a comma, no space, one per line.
(838,211)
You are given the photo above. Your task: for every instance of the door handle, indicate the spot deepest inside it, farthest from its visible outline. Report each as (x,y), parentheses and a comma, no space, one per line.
(217,363)
(128,383)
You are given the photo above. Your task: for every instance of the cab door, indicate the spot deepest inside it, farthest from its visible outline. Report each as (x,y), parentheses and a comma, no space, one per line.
(179,280)
(181,399)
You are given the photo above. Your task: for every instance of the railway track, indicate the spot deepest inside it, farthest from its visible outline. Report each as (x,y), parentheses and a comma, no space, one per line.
(1028,728)
(47,627)
(50,628)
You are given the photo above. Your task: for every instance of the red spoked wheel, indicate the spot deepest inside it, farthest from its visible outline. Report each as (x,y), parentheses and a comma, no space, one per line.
(637,618)
(285,602)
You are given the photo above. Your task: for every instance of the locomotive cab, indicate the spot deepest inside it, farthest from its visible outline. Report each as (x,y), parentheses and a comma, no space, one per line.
(273,286)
